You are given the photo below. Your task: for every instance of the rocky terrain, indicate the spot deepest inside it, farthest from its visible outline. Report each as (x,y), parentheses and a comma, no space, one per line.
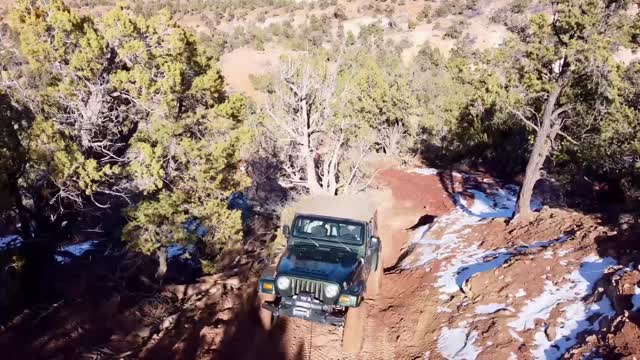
(468,286)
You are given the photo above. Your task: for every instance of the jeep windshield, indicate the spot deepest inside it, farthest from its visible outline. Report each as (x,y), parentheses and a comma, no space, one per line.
(331,230)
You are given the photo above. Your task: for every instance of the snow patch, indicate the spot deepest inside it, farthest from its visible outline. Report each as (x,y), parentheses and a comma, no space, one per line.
(491,309)
(635,300)
(473,260)
(496,203)
(457,344)
(576,317)
(176,250)
(515,335)
(425,171)
(9,242)
(462,262)
(442,309)
(80,248)
(521,293)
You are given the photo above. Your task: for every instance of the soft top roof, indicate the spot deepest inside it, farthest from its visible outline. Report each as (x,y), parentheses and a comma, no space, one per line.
(356,207)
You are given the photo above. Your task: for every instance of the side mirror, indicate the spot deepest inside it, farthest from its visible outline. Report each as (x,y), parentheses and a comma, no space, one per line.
(375,242)
(286,231)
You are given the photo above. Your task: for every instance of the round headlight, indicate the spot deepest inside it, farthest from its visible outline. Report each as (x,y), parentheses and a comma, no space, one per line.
(331,290)
(283,282)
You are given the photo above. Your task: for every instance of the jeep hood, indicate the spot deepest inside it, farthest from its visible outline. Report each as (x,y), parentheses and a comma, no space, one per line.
(328,264)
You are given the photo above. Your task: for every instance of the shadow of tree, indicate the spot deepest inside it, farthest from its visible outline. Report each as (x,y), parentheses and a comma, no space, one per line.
(93,306)
(237,334)
(101,319)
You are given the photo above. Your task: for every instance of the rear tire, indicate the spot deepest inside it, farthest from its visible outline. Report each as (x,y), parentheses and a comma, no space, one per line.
(374,282)
(354,329)
(267,319)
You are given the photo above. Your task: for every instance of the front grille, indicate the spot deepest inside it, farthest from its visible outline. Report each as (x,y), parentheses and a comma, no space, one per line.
(316,288)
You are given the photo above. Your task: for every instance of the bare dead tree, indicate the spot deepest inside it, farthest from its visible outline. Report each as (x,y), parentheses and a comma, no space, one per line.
(315,143)
(391,137)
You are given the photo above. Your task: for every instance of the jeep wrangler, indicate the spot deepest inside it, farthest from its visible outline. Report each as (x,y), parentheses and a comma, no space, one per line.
(331,263)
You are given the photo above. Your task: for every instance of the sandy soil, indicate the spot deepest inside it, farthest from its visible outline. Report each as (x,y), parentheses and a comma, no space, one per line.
(239,64)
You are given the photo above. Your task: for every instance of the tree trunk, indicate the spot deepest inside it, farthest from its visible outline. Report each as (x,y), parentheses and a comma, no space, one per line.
(541,148)
(312,178)
(310,166)
(162,263)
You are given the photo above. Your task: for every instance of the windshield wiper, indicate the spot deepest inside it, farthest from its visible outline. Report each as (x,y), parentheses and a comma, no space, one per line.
(310,239)
(343,245)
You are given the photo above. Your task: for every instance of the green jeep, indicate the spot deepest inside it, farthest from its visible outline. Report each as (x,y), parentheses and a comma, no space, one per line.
(332,262)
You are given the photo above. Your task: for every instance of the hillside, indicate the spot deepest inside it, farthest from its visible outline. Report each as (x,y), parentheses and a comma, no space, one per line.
(469,286)
(152,154)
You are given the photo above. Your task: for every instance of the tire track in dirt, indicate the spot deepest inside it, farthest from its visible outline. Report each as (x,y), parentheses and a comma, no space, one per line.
(397,324)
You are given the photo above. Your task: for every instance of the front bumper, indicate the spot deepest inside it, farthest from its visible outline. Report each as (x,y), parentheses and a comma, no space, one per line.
(307,310)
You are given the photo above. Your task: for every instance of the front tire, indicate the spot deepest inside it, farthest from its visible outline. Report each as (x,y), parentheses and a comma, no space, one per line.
(354,329)
(374,282)
(267,319)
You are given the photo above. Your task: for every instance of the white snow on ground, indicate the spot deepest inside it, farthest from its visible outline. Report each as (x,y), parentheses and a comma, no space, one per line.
(176,250)
(80,248)
(9,242)
(580,284)
(635,300)
(76,249)
(488,309)
(515,335)
(470,259)
(462,258)
(457,344)
(425,171)
(576,317)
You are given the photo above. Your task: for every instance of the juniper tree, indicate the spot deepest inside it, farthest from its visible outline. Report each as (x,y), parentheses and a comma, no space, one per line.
(130,113)
(563,69)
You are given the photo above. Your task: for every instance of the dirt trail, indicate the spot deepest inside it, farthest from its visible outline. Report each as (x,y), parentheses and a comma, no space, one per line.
(470,286)
(465,285)
(397,315)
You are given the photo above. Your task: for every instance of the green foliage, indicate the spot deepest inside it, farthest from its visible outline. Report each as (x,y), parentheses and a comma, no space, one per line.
(339,13)
(424,14)
(375,98)
(12,152)
(454,7)
(371,36)
(456,29)
(134,108)
(519,6)
(263,83)
(634,31)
